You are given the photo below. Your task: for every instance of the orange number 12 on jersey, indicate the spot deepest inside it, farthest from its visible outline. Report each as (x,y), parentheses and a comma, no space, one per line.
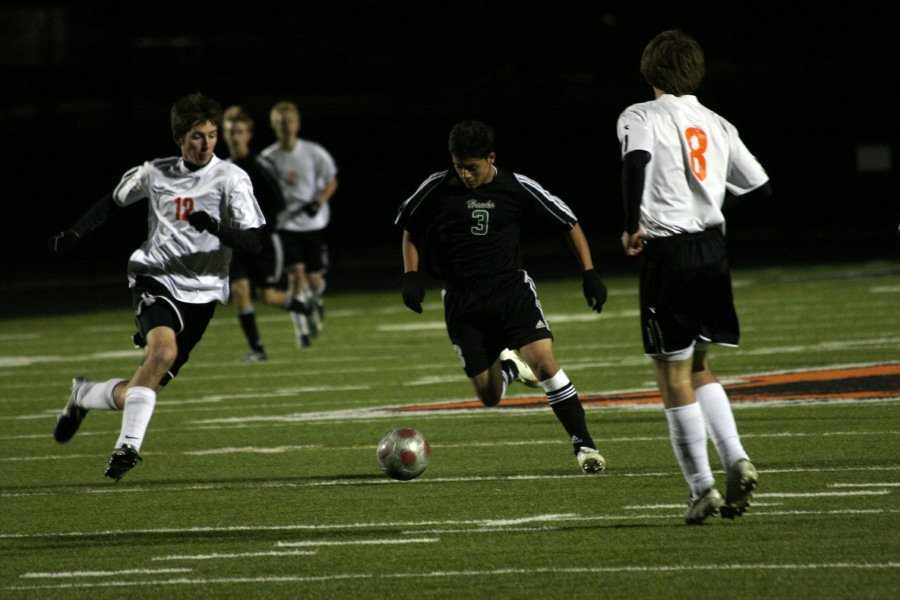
(183,207)
(696,139)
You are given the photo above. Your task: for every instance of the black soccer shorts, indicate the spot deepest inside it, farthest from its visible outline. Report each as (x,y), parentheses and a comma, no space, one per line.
(265,269)
(307,248)
(484,319)
(154,306)
(685,294)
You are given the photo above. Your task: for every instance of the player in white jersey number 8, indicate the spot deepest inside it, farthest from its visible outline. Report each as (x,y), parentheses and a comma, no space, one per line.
(680,159)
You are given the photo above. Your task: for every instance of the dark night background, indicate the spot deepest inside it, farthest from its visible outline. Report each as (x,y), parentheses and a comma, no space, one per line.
(86,92)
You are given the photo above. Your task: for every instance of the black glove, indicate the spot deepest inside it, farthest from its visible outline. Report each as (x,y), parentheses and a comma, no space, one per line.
(201,221)
(62,242)
(594,291)
(311,208)
(413,291)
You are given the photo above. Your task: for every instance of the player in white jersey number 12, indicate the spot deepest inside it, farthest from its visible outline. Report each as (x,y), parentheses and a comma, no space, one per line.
(199,207)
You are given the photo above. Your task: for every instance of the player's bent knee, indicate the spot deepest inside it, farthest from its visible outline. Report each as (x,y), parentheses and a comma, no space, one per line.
(489,399)
(162,357)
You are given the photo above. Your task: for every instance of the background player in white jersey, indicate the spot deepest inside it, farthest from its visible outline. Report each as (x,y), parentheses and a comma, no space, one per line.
(198,208)
(264,271)
(307,174)
(680,159)
(464,225)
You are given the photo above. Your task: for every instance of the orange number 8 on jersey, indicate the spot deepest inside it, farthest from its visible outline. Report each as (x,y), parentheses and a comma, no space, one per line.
(696,139)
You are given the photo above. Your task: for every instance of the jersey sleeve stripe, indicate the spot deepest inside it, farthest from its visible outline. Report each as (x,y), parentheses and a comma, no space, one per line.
(410,204)
(554,205)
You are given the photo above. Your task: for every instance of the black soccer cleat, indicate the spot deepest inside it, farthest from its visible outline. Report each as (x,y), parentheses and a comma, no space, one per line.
(70,418)
(121,461)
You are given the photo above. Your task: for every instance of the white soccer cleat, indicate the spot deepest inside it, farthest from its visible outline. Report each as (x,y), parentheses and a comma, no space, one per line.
(742,480)
(706,505)
(526,375)
(590,461)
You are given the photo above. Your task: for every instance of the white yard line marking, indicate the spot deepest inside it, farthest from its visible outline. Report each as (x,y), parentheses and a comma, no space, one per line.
(281,392)
(530,571)
(485,444)
(386,542)
(219,555)
(756,505)
(250,450)
(291,527)
(827,346)
(839,485)
(60,574)
(821,494)
(27,361)
(414,527)
(124,489)
(553,318)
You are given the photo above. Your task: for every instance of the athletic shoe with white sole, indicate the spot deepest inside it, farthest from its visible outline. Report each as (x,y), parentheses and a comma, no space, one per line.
(590,461)
(742,480)
(70,418)
(121,461)
(526,375)
(706,505)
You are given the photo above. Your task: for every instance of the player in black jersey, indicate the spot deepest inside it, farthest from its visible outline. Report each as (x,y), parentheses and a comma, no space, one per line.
(265,271)
(464,225)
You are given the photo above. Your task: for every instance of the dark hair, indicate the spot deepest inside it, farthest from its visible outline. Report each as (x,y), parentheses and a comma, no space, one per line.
(192,109)
(673,63)
(471,139)
(239,115)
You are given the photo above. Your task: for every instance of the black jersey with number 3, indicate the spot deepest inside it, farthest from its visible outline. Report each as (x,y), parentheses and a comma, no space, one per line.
(474,233)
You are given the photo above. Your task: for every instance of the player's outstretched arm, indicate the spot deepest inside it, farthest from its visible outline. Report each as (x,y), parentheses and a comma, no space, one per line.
(96,215)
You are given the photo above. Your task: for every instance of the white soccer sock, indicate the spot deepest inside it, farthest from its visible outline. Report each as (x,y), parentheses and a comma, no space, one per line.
(100,396)
(301,324)
(720,423)
(558,388)
(688,435)
(139,403)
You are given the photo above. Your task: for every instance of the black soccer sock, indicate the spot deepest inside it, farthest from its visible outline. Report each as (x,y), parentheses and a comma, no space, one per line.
(510,371)
(567,407)
(571,414)
(248,324)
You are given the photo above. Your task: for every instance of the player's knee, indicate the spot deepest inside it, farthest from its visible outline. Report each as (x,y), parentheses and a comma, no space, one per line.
(489,399)
(488,391)
(544,367)
(161,356)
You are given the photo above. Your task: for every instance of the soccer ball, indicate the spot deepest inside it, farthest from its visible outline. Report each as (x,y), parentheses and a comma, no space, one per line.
(403,453)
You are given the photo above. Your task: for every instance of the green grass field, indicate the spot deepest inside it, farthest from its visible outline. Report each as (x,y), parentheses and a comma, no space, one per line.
(260,480)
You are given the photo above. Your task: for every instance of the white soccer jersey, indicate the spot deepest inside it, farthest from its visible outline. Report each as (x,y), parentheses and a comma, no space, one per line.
(303,172)
(193,265)
(696,156)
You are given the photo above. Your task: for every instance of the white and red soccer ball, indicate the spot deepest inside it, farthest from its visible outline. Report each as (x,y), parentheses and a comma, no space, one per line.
(403,453)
